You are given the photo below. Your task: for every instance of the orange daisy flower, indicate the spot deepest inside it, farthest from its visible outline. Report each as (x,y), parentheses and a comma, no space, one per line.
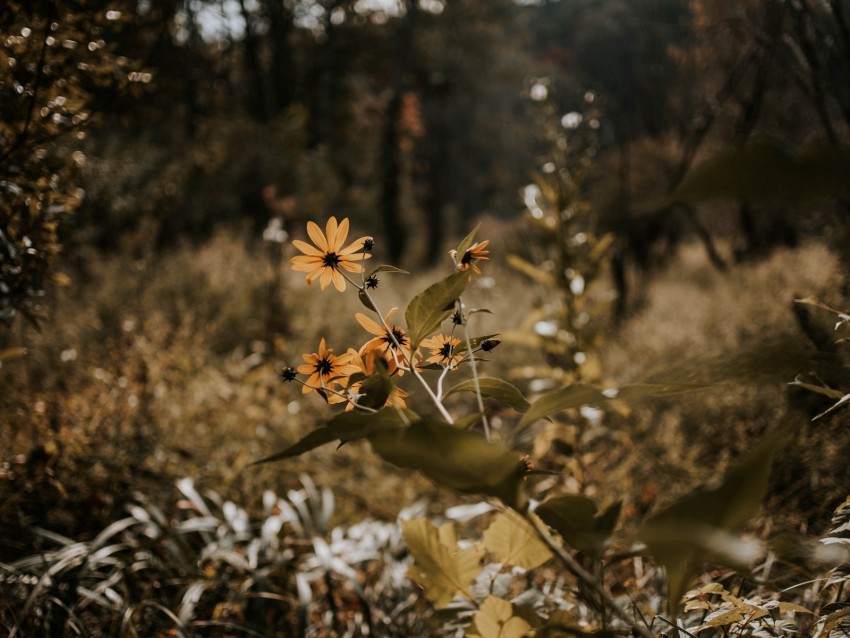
(326,369)
(474,253)
(367,367)
(385,341)
(443,350)
(327,259)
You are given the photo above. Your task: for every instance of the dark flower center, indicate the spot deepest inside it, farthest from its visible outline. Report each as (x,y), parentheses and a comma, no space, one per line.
(467,258)
(324,366)
(400,337)
(446,350)
(331,260)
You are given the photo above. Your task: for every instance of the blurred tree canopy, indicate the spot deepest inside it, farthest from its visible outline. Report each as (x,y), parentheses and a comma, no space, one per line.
(167,118)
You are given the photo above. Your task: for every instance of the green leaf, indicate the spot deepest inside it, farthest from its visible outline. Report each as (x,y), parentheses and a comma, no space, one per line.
(571,396)
(642,390)
(457,459)
(427,310)
(515,542)
(345,427)
(579,522)
(495,389)
(364,299)
(376,388)
(468,421)
(440,566)
(386,268)
(467,241)
(701,526)
(579,394)
(762,171)
(495,619)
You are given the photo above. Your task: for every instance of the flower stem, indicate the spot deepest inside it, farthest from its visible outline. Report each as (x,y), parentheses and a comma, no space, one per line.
(474,368)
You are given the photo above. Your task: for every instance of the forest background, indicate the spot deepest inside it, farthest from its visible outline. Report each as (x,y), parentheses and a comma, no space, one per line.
(157,157)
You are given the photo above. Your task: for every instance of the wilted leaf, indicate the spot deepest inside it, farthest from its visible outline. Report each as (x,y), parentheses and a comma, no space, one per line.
(578,521)
(427,310)
(458,459)
(440,566)
(700,527)
(723,617)
(515,542)
(495,389)
(345,427)
(829,622)
(496,619)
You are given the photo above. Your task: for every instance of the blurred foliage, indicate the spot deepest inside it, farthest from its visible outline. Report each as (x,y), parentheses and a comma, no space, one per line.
(56,61)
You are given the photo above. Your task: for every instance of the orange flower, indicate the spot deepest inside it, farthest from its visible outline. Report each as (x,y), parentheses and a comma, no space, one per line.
(367,367)
(327,259)
(443,350)
(385,341)
(326,369)
(474,253)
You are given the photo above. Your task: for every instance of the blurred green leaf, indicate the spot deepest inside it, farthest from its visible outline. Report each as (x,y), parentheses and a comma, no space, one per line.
(376,388)
(455,458)
(701,526)
(345,427)
(578,520)
(427,310)
(364,299)
(531,271)
(764,170)
(495,389)
(571,396)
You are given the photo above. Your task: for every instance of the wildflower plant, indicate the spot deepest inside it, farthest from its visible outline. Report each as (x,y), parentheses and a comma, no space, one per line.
(434,346)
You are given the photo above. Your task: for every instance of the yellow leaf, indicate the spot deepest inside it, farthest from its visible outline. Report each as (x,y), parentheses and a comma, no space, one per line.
(495,619)
(440,566)
(515,542)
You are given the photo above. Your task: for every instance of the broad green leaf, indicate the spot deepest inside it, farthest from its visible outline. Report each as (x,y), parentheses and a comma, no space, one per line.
(701,526)
(579,522)
(571,396)
(427,310)
(495,389)
(495,619)
(515,542)
(579,394)
(458,459)
(345,427)
(440,566)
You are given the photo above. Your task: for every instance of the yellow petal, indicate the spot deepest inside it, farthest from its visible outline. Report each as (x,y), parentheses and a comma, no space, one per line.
(370,325)
(306,248)
(330,233)
(341,234)
(339,281)
(327,275)
(317,236)
(355,246)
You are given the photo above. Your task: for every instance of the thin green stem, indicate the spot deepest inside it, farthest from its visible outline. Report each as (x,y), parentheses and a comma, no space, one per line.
(475,381)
